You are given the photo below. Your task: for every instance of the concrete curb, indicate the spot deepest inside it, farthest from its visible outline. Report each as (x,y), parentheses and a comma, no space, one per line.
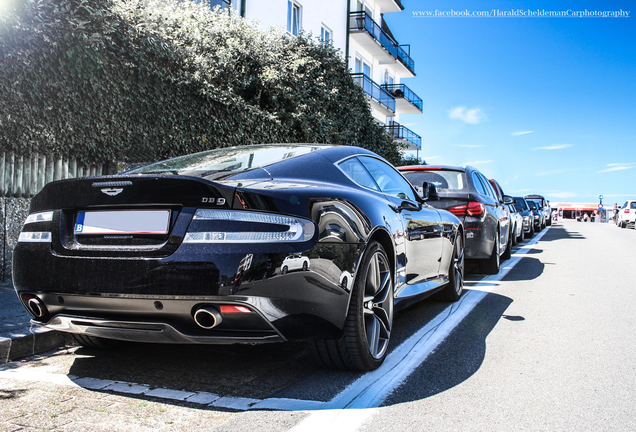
(36,340)
(18,337)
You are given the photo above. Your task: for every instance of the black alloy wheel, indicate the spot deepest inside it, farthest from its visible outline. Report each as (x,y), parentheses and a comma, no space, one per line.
(367,330)
(455,287)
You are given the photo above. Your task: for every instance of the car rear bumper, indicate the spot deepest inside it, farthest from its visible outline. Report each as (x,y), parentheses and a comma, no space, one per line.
(478,245)
(164,293)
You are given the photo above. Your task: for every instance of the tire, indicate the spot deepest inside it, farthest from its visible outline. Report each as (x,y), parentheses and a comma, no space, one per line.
(96,342)
(455,287)
(513,235)
(305,266)
(491,265)
(367,330)
(284,270)
(507,253)
(531,233)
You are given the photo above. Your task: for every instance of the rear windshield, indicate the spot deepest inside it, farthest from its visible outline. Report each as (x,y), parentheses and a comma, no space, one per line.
(226,161)
(444,180)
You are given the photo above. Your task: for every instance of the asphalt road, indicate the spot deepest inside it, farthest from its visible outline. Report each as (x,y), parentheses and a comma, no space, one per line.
(550,345)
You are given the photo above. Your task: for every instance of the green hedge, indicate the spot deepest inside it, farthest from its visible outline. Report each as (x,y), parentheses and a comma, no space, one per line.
(142,80)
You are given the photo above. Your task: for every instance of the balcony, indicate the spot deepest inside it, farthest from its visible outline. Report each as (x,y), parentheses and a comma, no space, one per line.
(384,101)
(405,135)
(381,45)
(406,102)
(387,6)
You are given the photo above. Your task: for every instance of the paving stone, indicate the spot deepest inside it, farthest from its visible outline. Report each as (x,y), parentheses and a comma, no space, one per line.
(203,398)
(129,388)
(94,383)
(169,394)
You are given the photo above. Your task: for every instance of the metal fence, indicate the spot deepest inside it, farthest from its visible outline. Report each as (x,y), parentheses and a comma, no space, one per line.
(24,176)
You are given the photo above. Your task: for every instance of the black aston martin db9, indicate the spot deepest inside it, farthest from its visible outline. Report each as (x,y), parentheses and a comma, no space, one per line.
(191,250)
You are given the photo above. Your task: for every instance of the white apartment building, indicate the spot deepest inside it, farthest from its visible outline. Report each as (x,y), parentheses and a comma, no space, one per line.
(377,61)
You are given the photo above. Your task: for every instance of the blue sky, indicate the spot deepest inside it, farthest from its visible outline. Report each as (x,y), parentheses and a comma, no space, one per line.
(544,105)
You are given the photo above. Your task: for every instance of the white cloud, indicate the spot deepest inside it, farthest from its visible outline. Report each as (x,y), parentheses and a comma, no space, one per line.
(554,147)
(470,116)
(428,158)
(522,133)
(617,167)
(478,162)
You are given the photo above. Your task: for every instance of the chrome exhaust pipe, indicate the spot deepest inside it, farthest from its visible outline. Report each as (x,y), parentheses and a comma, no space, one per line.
(36,307)
(207,317)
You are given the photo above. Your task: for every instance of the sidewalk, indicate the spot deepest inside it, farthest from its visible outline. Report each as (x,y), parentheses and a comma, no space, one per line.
(17,337)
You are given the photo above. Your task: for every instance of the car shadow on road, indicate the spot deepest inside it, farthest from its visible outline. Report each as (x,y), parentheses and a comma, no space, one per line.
(459,357)
(253,371)
(560,232)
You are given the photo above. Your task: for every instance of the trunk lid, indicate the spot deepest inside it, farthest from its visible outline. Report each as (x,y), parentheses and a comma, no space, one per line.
(144,216)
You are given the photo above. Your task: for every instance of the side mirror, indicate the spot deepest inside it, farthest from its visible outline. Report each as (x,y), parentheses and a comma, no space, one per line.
(508,199)
(429,192)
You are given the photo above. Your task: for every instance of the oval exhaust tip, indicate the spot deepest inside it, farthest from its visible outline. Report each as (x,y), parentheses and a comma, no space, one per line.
(36,307)
(207,317)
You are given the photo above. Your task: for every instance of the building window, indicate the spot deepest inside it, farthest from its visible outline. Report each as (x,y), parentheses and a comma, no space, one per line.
(326,35)
(294,17)
(388,78)
(213,3)
(362,7)
(363,67)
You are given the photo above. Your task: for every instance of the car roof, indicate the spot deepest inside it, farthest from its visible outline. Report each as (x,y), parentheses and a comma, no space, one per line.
(434,167)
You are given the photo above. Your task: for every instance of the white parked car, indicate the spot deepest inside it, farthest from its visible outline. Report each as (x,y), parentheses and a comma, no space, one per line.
(626,214)
(516,224)
(295,262)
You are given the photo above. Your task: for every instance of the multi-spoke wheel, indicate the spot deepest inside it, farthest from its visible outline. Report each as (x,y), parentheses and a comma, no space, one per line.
(455,287)
(367,330)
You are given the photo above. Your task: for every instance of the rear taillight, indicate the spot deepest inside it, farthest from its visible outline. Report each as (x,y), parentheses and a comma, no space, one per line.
(626,211)
(472,208)
(230,226)
(227,309)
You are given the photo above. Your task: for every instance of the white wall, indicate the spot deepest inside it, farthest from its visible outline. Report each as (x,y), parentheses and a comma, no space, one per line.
(315,13)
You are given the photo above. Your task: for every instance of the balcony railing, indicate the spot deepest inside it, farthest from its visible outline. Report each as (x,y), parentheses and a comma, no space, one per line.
(403,133)
(374,90)
(362,22)
(402,91)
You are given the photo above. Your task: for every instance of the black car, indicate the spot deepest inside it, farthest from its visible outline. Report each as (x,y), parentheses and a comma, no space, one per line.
(466,192)
(543,205)
(537,215)
(191,250)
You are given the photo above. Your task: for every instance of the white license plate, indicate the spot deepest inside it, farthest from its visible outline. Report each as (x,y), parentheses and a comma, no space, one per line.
(123,222)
